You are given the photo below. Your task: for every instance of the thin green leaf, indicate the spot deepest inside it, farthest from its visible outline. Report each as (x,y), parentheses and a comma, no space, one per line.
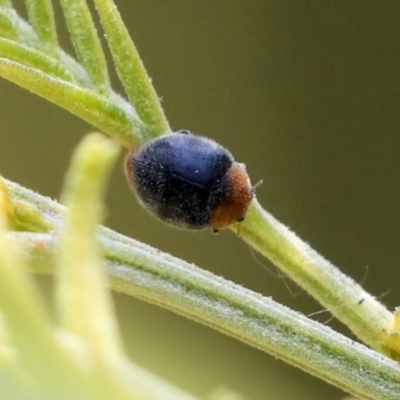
(41,17)
(12,26)
(26,34)
(27,321)
(83,299)
(131,70)
(7,25)
(82,293)
(35,59)
(113,116)
(86,42)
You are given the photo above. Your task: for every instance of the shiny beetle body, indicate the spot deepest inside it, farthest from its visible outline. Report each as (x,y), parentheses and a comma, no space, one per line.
(189,181)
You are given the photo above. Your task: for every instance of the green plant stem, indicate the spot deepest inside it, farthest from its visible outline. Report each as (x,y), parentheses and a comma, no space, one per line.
(41,17)
(147,273)
(26,62)
(7,27)
(13,27)
(238,312)
(111,115)
(131,70)
(86,42)
(338,293)
(31,57)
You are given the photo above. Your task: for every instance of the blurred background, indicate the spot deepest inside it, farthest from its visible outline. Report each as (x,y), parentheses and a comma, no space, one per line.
(307,94)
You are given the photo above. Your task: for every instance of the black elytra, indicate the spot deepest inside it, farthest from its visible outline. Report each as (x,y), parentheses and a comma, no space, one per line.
(184,180)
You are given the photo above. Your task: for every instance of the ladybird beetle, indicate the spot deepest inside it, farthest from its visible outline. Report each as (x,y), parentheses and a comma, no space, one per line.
(189,181)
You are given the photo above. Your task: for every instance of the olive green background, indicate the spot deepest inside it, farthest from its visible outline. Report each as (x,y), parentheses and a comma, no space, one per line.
(307,94)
